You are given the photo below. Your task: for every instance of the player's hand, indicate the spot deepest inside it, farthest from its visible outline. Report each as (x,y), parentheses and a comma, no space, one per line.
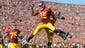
(63,18)
(21,37)
(59,13)
(32,6)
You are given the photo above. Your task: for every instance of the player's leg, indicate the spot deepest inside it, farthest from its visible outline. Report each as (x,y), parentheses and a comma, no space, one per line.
(37,29)
(50,27)
(49,44)
(1,45)
(17,45)
(13,45)
(49,35)
(1,42)
(61,33)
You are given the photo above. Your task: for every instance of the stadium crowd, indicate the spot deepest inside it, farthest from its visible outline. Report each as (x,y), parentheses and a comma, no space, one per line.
(17,12)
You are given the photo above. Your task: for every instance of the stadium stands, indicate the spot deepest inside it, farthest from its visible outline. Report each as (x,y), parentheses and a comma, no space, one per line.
(18,12)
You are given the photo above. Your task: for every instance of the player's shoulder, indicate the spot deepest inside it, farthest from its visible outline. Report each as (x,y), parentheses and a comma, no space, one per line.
(48,7)
(7,30)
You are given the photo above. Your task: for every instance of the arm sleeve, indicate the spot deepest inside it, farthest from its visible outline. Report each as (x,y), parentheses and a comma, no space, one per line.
(53,17)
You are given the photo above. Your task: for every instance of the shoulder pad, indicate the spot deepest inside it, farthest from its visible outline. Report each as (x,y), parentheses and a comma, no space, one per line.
(7,30)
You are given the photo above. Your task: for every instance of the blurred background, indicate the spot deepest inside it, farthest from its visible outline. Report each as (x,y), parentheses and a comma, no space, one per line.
(18,12)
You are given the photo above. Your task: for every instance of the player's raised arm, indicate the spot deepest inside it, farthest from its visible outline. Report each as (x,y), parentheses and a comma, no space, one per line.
(58,14)
(6,33)
(33,10)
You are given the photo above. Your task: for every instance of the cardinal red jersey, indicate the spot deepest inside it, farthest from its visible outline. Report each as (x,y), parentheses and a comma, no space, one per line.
(44,15)
(13,35)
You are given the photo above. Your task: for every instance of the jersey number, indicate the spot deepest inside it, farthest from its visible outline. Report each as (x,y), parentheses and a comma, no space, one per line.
(13,34)
(43,15)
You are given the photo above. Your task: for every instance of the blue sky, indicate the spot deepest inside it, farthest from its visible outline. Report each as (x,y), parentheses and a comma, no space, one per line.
(81,2)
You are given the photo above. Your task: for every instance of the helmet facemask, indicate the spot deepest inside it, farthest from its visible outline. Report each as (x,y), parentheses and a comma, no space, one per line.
(41,6)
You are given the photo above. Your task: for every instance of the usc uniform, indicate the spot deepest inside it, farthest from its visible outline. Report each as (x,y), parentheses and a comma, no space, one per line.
(13,38)
(1,42)
(45,23)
